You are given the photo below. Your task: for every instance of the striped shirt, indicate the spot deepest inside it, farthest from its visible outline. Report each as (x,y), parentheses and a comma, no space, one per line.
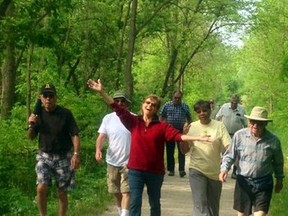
(176,115)
(257,158)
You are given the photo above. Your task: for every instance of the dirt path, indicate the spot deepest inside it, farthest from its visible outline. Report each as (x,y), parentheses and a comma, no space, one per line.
(176,198)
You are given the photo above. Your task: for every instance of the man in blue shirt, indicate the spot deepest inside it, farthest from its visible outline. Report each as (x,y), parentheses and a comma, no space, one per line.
(176,113)
(259,156)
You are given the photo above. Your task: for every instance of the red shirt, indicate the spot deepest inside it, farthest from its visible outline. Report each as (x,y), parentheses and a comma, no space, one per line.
(147,143)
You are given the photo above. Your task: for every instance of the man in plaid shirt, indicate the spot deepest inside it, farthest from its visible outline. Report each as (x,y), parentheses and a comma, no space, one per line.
(176,113)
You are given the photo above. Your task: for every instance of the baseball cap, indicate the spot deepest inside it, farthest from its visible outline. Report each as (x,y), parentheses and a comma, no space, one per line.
(48,88)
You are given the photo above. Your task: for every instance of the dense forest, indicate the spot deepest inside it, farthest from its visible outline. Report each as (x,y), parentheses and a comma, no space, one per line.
(206,48)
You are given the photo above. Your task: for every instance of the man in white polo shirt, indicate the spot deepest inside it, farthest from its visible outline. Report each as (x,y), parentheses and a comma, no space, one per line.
(232,115)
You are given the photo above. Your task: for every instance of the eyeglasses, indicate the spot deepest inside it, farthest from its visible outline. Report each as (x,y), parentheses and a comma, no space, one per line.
(51,95)
(259,123)
(120,100)
(149,102)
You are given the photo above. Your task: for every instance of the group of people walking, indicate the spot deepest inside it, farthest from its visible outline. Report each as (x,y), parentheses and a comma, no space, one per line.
(136,145)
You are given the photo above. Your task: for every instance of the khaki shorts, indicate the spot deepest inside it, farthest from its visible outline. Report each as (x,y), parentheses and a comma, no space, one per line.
(117,179)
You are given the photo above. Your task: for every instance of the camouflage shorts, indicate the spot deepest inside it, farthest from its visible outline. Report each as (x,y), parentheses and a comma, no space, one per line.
(56,166)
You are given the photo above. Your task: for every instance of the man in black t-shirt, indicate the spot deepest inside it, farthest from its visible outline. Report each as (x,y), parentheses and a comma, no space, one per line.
(58,134)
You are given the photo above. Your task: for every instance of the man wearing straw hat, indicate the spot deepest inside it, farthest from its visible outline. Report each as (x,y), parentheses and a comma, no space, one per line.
(260,156)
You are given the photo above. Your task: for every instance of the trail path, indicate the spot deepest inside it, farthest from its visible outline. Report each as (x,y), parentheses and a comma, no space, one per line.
(176,198)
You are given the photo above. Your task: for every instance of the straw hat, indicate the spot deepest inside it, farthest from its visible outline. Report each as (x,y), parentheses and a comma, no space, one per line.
(259,114)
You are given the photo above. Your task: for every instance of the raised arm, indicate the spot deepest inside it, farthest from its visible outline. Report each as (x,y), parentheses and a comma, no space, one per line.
(97,86)
(184,145)
(185,137)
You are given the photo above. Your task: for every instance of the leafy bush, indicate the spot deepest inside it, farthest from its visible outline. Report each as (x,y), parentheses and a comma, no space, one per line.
(17,162)
(14,202)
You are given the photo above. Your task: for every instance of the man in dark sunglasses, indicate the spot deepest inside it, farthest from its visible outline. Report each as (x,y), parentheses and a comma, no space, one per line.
(58,135)
(260,157)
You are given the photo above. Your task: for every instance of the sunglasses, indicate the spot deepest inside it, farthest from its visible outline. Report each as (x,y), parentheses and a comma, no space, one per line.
(120,100)
(51,95)
(259,123)
(149,102)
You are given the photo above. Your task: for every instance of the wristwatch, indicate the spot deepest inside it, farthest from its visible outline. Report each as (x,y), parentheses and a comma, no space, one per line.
(31,125)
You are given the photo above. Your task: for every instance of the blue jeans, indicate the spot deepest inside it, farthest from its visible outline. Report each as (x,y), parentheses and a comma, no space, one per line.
(137,179)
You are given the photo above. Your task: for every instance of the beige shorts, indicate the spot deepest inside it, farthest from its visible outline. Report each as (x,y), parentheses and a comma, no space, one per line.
(117,179)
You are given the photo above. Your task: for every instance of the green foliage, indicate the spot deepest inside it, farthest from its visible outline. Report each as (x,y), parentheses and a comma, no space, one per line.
(91,195)
(76,40)
(13,133)
(88,111)
(17,161)
(285,66)
(17,194)
(14,202)
(149,67)
(279,201)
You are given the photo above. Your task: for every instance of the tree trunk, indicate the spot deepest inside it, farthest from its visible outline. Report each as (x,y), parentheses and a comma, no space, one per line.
(8,71)
(170,73)
(3,7)
(72,69)
(28,80)
(132,36)
(122,25)
(8,80)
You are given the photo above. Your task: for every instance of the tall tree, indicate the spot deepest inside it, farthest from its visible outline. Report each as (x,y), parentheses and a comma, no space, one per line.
(263,54)
(131,43)
(8,68)
(198,29)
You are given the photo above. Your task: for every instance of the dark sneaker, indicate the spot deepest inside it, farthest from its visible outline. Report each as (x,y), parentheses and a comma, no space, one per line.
(182,174)
(171,173)
(233,176)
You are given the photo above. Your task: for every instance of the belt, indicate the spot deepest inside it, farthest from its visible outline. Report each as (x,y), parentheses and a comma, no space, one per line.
(257,178)
(48,155)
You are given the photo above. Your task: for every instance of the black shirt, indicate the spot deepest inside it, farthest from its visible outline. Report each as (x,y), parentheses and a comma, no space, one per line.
(55,130)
